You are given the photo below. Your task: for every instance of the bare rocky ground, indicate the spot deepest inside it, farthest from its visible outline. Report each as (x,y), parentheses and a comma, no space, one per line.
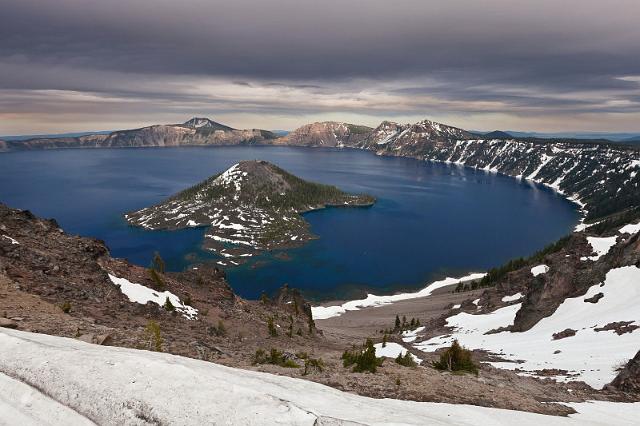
(42,269)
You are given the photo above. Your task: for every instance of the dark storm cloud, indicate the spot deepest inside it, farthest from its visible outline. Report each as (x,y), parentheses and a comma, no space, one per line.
(473,55)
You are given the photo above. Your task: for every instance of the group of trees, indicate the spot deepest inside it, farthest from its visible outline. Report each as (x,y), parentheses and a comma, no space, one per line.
(494,275)
(362,358)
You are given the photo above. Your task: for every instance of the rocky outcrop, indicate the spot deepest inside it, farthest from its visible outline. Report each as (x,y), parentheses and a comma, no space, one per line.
(55,283)
(628,380)
(326,134)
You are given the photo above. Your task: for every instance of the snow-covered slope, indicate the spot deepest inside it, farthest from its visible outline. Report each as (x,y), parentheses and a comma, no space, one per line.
(44,379)
(591,355)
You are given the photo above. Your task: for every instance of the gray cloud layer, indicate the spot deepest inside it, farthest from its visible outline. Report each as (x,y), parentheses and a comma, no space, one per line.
(499,62)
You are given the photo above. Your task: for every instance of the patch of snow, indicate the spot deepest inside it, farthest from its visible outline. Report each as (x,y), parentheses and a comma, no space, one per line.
(10,239)
(138,293)
(456,306)
(590,356)
(630,229)
(600,246)
(392,350)
(177,390)
(324,312)
(411,335)
(539,270)
(513,298)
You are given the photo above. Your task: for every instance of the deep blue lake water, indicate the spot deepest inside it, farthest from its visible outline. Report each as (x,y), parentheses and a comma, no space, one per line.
(430,220)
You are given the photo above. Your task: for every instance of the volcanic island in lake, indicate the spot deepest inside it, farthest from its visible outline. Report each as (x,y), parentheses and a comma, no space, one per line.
(251,207)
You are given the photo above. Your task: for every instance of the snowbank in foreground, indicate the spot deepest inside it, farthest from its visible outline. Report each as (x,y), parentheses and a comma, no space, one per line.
(324,312)
(115,386)
(590,355)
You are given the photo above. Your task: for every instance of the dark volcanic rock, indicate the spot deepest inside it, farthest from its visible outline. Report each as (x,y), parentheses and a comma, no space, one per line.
(620,327)
(594,298)
(628,380)
(564,334)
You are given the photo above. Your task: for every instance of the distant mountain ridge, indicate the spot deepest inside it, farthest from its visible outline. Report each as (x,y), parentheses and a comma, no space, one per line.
(599,175)
(498,134)
(202,122)
(197,131)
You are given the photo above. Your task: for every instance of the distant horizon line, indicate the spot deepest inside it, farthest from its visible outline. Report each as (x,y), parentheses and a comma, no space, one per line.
(618,136)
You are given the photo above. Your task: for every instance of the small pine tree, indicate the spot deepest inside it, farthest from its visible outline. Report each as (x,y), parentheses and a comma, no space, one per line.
(155,277)
(456,358)
(264,298)
(222,330)
(406,360)
(413,323)
(273,332)
(152,331)
(168,305)
(363,359)
(398,324)
(290,332)
(66,307)
(384,341)
(157,263)
(313,363)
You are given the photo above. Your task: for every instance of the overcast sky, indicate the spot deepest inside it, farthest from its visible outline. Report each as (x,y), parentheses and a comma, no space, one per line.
(543,65)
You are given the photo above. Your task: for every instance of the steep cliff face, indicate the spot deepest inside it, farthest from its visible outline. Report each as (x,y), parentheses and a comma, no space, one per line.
(600,176)
(195,132)
(327,134)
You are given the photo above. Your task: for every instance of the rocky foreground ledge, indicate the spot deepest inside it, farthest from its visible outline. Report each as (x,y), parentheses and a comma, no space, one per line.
(251,207)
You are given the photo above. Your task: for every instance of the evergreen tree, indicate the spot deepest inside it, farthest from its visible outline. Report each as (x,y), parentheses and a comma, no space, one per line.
(168,305)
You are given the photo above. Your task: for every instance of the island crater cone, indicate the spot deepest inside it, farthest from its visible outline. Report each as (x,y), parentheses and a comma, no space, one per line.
(250,207)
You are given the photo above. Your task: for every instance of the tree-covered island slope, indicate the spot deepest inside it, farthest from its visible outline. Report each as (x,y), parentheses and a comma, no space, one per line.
(252,206)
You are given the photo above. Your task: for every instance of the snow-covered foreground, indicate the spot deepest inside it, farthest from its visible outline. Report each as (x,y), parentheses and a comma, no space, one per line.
(324,312)
(123,386)
(591,356)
